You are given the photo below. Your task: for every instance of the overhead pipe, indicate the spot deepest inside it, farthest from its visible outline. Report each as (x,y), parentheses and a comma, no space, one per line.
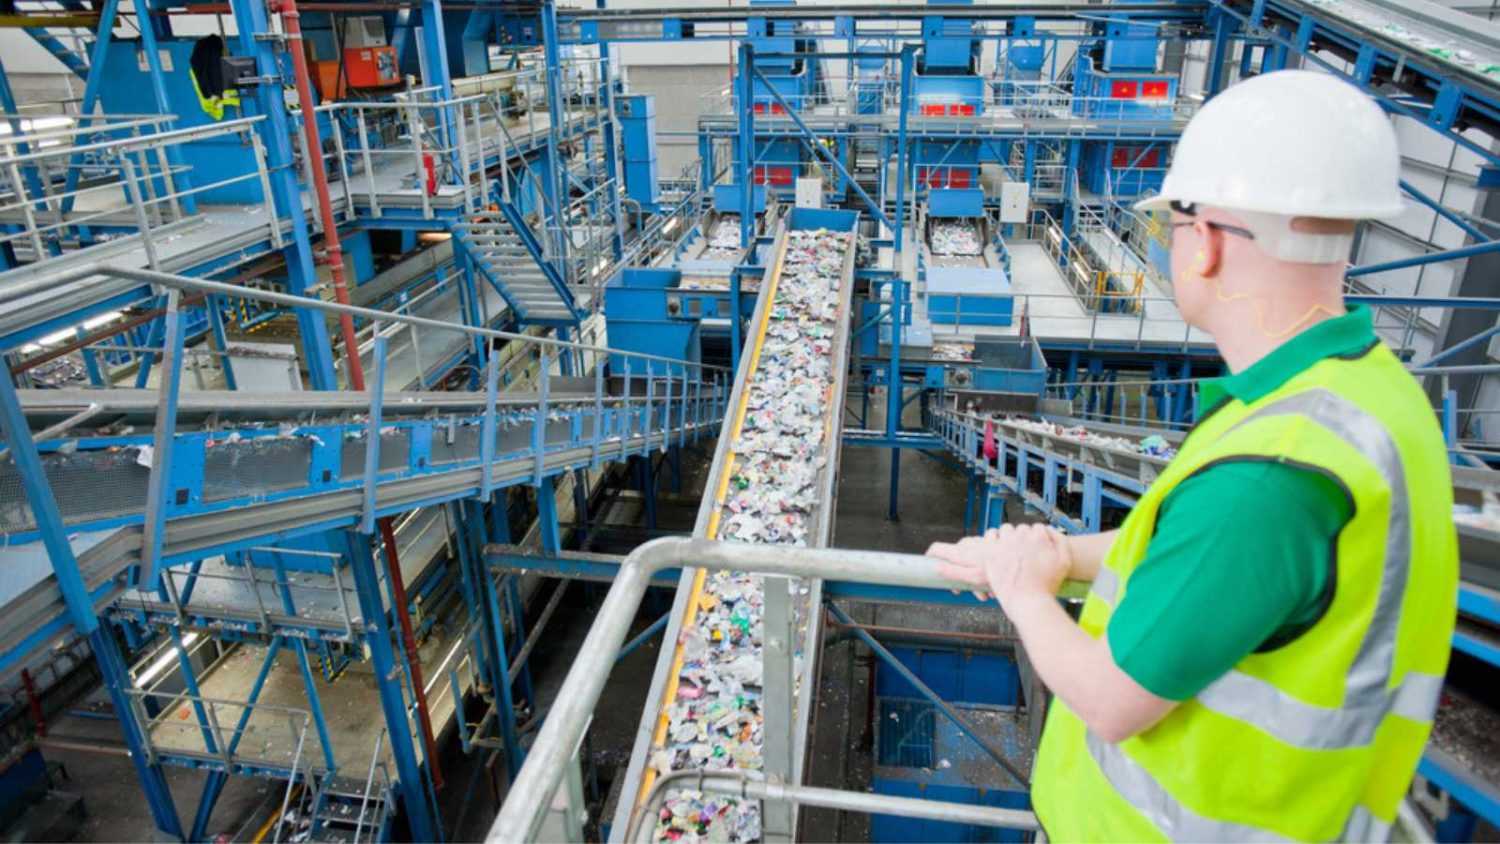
(291,22)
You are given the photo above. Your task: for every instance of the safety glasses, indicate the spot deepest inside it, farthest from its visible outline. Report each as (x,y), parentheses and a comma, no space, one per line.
(1191,210)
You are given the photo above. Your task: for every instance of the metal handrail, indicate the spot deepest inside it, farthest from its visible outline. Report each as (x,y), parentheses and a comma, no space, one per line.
(90,273)
(364,802)
(170,136)
(531,793)
(750,786)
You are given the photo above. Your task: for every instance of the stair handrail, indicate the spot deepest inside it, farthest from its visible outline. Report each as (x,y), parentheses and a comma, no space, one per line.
(364,802)
(541,192)
(291,781)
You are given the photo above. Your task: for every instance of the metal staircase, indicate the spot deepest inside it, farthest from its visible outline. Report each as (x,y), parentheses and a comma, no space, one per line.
(343,810)
(72,22)
(509,257)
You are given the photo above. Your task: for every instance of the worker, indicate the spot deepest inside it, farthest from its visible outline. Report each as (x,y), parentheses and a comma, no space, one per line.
(1263,645)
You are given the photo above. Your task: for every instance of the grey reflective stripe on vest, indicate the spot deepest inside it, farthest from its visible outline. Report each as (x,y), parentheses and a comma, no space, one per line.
(1366,699)
(1363,826)
(1142,791)
(1106,585)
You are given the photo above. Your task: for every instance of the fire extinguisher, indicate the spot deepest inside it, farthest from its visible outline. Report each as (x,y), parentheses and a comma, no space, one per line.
(991,448)
(430,168)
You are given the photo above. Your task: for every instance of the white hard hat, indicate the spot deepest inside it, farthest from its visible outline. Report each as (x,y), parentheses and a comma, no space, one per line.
(1293,143)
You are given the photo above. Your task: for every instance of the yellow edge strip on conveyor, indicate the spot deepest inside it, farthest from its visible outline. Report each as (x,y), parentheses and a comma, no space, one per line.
(658,739)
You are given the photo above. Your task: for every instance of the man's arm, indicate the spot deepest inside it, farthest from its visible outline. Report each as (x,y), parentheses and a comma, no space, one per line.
(1086,553)
(1024,566)
(1172,632)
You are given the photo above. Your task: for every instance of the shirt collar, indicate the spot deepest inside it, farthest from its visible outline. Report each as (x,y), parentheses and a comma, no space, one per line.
(1349,334)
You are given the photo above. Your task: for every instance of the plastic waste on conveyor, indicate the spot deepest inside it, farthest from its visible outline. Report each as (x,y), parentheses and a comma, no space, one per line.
(782,435)
(1408,27)
(724,240)
(1154,445)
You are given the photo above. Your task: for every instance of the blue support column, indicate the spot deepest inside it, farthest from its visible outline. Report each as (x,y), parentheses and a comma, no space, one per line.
(505,707)
(894,404)
(581,505)
(646,479)
(153,339)
(90,360)
(314,700)
(33,181)
(994,509)
(182,176)
(611,144)
(250,18)
(213,786)
(555,113)
(908,60)
(436,73)
(546,516)
(113,673)
(387,678)
(745,141)
(1224,27)
(97,55)
(214,306)
(518,613)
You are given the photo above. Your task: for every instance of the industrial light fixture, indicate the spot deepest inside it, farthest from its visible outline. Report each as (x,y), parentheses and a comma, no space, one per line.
(163,661)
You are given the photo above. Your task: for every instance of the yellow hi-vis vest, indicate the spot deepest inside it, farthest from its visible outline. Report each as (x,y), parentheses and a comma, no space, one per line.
(1316,739)
(214,106)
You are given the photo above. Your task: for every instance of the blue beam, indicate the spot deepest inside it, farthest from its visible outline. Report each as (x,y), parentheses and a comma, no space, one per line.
(147,24)
(552,63)
(387,678)
(810,140)
(250,18)
(1429,258)
(745,144)
(1444,212)
(80,604)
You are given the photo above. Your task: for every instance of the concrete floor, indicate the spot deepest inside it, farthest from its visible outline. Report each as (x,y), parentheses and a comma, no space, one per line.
(112,795)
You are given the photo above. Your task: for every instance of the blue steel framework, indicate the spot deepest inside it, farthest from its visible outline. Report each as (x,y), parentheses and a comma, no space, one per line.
(1446,100)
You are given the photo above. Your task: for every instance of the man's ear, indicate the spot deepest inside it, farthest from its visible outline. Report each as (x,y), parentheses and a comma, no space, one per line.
(1210,257)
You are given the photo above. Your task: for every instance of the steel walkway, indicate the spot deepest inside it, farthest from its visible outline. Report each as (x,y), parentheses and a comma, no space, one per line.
(253,469)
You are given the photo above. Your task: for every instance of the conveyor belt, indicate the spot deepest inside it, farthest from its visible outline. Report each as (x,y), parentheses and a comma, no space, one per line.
(700,591)
(251,443)
(1113,455)
(1423,33)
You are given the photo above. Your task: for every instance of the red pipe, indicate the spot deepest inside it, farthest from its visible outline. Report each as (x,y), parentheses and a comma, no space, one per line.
(34,702)
(291,21)
(398,599)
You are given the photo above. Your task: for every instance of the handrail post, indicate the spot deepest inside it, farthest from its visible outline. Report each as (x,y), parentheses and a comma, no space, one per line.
(372,437)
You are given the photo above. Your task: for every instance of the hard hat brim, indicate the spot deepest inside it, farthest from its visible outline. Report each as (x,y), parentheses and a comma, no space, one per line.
(1153,203)
(1386,212)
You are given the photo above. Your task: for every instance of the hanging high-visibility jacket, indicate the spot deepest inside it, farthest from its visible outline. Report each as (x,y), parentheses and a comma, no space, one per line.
(1313,739)
(214,106)
(206,70)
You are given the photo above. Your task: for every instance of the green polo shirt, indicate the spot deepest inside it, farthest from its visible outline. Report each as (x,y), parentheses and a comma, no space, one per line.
(1242,557)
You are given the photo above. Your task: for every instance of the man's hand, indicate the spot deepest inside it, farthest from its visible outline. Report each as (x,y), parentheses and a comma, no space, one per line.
(1017,563)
